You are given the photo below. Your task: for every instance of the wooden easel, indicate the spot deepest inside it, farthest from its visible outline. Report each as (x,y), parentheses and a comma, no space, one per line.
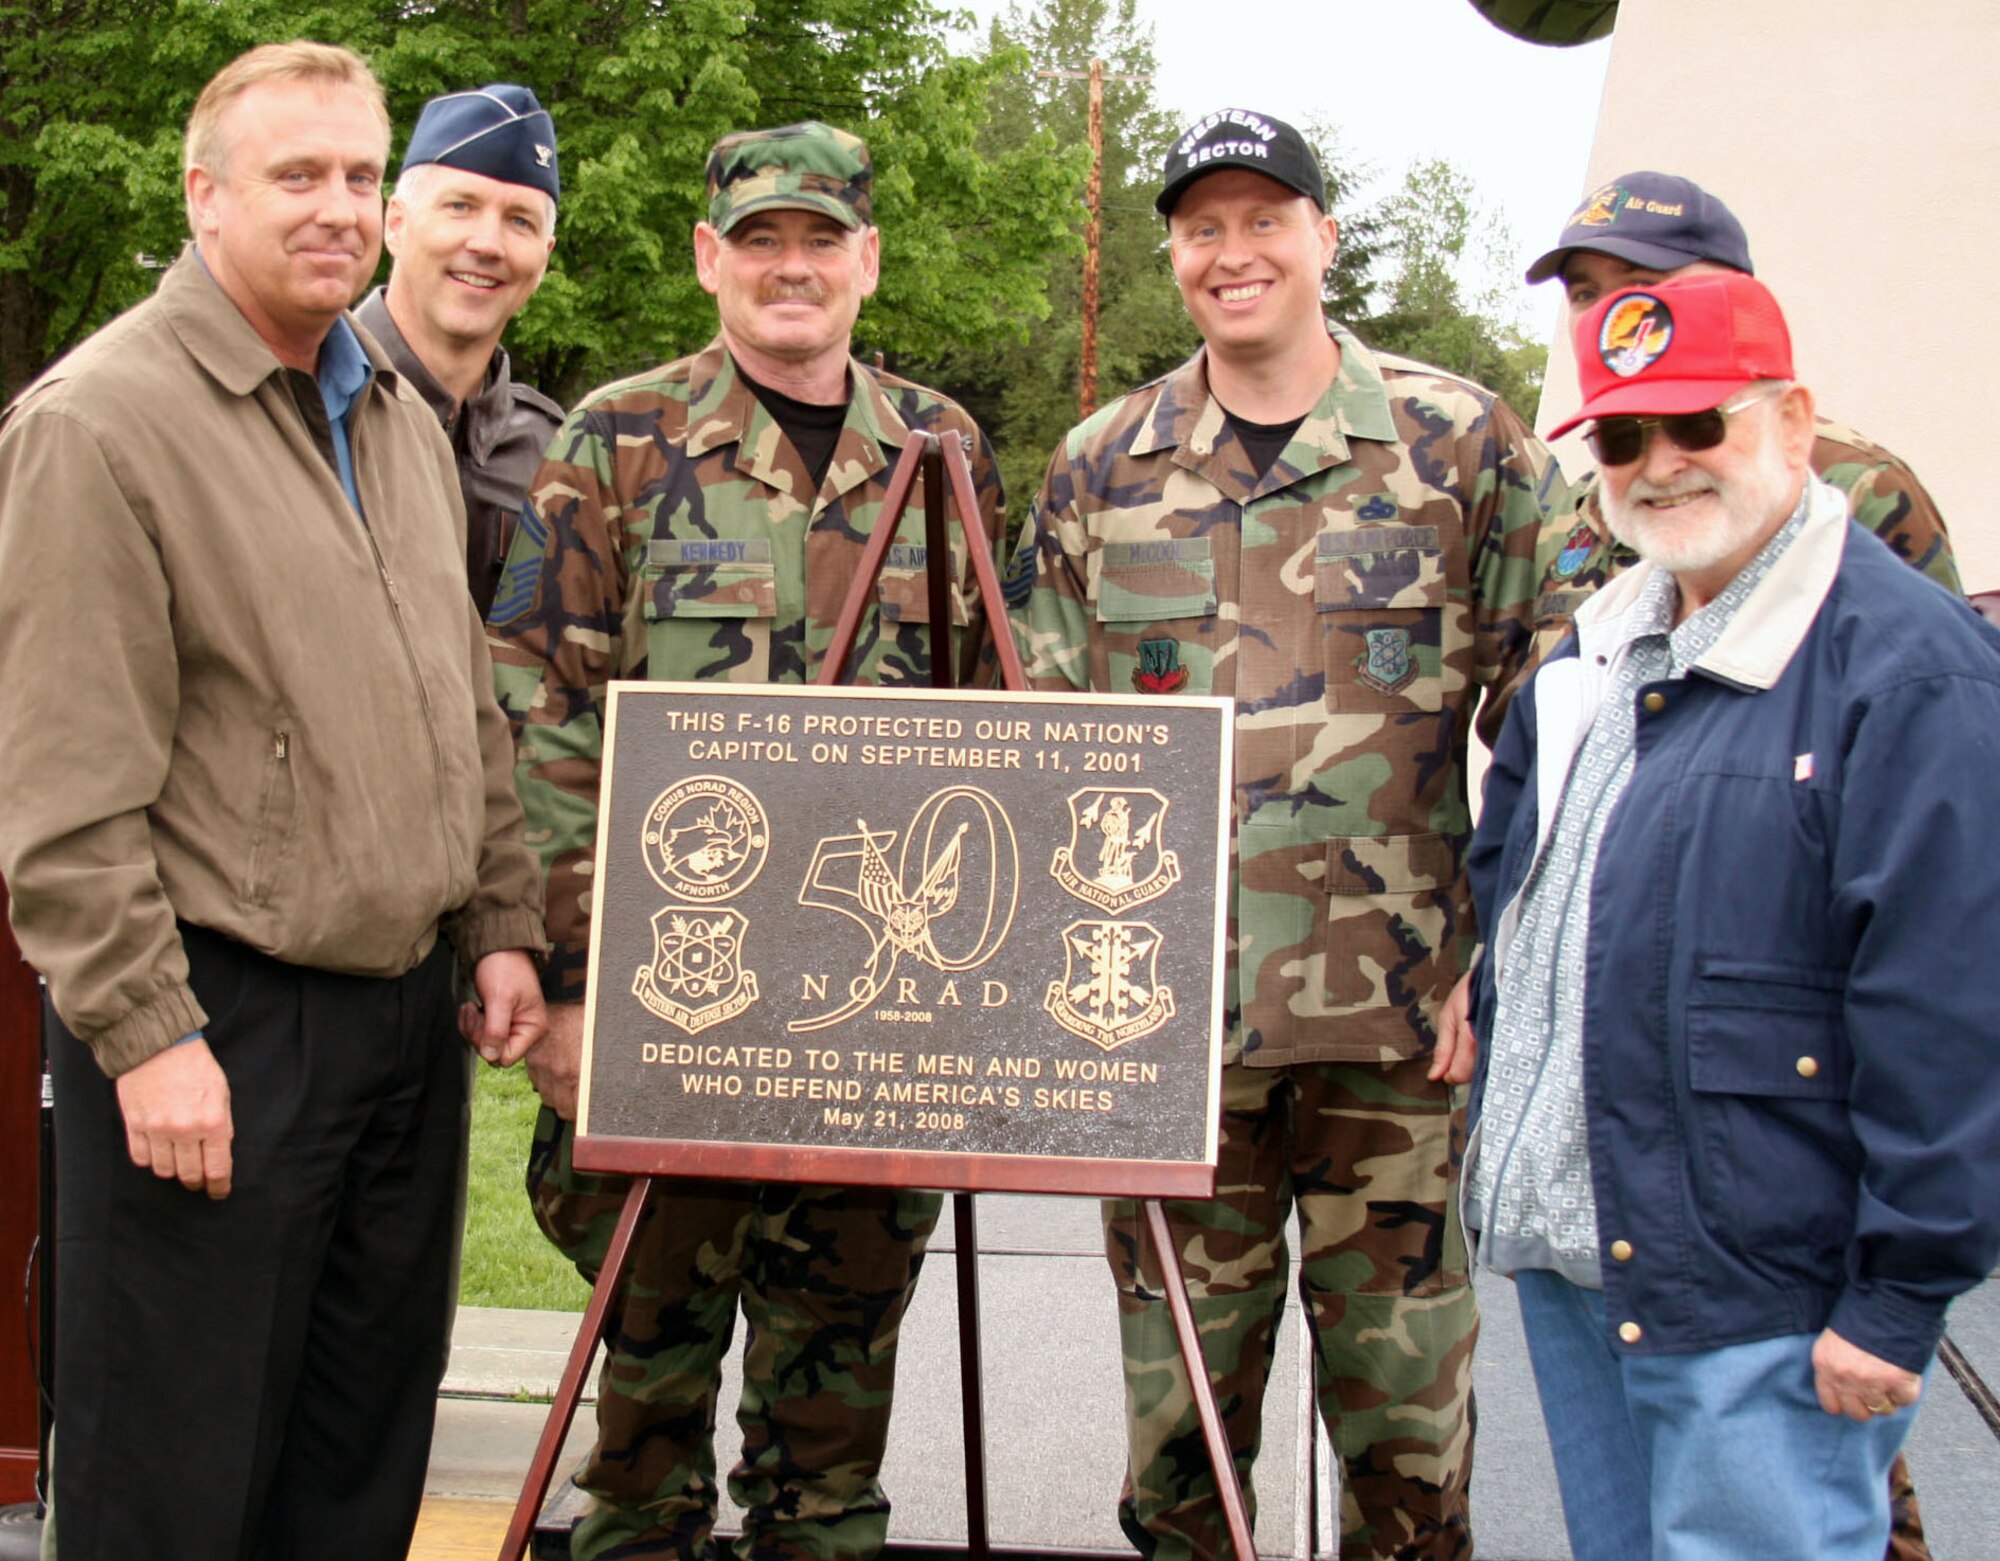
(942,466)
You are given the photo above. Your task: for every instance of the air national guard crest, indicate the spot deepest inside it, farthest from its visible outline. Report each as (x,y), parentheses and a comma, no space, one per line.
(1116,857)
(1110,991)
(697,977)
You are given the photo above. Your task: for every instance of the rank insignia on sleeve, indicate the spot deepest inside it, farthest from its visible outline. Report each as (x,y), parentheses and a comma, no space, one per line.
(1388,664)
(1159,670)
(1577,547)
(1019,582)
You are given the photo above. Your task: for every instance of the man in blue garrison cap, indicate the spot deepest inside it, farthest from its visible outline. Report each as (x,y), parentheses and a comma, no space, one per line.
(471,225)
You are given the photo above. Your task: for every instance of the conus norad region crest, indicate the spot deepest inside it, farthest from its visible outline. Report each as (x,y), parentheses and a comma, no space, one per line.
(908,937)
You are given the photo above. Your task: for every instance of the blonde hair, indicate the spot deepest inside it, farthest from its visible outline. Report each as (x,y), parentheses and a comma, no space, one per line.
(324,64)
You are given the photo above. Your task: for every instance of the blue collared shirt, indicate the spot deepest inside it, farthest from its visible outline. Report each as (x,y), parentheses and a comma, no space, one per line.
(343,374)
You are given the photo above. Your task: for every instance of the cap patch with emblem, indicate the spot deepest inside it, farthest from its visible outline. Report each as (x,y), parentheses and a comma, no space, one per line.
(1159,670)
(1635,334)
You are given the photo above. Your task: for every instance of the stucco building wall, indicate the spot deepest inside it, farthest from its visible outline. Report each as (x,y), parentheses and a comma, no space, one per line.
(1860,143)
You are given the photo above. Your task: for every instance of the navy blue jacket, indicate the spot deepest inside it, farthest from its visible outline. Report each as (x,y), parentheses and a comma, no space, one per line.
(1791,1045)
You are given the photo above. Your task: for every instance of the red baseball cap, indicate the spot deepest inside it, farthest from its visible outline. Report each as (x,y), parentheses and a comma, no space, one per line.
(1684,344)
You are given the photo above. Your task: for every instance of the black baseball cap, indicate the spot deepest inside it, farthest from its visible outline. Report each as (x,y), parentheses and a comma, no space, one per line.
(1656,220)
(1237,138)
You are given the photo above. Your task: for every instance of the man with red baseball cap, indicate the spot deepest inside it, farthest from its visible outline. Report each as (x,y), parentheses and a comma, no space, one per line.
(1640,228)
(1737,1117)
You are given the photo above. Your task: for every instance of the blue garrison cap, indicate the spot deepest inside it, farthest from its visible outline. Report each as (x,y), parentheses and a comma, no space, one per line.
(501,131)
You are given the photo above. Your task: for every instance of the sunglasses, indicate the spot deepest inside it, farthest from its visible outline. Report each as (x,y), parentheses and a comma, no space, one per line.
(1619,441)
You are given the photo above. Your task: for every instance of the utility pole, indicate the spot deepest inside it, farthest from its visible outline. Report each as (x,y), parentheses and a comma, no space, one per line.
(1086,395)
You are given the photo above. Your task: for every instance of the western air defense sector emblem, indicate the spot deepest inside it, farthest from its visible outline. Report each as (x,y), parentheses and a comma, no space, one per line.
(1387,663)
(706,839)
(1116,857)
(697,977)
(1110,991)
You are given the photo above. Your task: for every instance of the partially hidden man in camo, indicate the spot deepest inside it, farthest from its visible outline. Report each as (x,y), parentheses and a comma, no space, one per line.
(1346,542)
(704,520)
(1643,228)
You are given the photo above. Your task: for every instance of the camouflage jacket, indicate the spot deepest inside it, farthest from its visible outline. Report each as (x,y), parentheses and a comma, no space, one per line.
(497,439)
(665,537)
(1357,600)
(1882,493)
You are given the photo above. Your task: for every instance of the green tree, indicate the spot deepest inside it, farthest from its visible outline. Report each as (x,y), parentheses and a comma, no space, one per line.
(96,93)
(1444,301)
(1024,393)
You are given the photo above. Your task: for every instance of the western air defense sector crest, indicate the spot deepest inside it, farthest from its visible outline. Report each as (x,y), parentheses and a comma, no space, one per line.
(1116,856)
(706,839)
(697,977)
(1110,991)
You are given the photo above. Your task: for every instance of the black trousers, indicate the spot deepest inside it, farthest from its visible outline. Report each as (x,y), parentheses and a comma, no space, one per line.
(257,1377)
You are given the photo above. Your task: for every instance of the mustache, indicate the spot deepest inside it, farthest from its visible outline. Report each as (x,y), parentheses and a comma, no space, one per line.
(1640,488)
(791,292)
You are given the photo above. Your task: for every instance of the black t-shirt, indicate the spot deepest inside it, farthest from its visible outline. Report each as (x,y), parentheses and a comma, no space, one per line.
(1263,441)
(814,430)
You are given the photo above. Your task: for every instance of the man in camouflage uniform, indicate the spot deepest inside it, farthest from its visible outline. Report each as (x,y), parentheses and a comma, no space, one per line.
(1345,541)
(704,520)
(472,224)
(1643,228)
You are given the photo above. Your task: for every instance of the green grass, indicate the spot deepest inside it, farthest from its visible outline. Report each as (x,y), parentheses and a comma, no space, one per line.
(508,1261)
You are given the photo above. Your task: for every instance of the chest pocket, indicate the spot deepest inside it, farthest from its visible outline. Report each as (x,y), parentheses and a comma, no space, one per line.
(1156,607)
(709,608)
(903,592)
(1380,596)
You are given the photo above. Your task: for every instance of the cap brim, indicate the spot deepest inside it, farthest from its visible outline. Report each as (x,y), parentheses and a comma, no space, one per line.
(825,205)
(1655,398)
(1655,257)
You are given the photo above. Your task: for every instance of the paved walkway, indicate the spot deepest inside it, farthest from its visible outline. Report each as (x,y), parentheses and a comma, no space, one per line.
(1054,1412)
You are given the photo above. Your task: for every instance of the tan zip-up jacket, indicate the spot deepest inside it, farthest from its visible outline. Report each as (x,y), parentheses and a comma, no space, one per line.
(222,697)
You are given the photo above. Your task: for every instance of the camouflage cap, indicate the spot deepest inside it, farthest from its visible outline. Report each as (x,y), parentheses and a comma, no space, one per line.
(804,167)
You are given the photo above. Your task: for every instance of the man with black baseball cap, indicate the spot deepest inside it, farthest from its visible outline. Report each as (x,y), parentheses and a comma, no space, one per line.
(471,225)
(1738,1108)
(1640,228)
(1260,523)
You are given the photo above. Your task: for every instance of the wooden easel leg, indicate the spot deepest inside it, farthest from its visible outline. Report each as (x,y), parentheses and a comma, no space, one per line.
(972,1412)
(563,1410)
(1219,1454)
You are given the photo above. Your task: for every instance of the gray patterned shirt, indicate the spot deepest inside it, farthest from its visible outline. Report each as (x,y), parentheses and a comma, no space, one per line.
(1529,1194)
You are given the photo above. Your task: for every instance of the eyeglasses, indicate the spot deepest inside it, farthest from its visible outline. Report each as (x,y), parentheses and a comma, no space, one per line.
(1619,441)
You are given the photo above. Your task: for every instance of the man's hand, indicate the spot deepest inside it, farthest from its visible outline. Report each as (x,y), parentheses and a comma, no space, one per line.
(1457,1052)
(555,1065)
(177,1122)
(511,1016)
(1853,1383)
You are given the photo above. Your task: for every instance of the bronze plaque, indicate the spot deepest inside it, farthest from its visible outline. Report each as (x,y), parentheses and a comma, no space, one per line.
(909,937)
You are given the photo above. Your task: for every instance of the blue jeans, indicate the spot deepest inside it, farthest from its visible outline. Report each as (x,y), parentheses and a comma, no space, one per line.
(1716,1455)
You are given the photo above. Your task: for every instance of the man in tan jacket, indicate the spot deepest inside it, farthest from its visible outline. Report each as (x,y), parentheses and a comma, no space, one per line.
(254,772)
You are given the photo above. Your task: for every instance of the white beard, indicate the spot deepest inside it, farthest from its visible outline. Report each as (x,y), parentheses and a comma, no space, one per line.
(1728,519)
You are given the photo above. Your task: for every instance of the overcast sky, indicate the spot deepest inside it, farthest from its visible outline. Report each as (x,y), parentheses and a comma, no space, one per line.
(1403,80)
